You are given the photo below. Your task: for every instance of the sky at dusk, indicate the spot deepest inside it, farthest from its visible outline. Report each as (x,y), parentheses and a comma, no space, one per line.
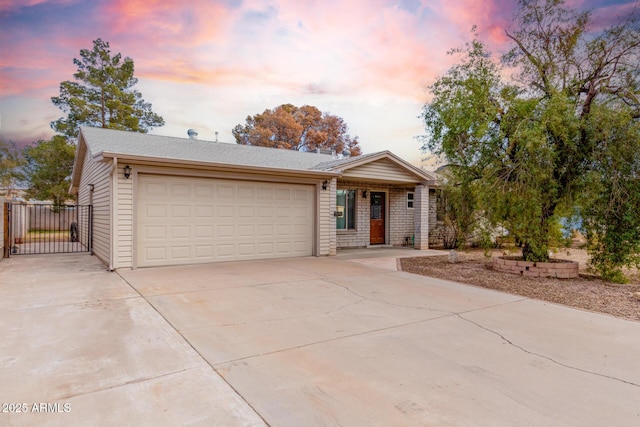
(208,64)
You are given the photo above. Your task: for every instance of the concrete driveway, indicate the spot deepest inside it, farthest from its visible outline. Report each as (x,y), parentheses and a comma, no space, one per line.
(303,342)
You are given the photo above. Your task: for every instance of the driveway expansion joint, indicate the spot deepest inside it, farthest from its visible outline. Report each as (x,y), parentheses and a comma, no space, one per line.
(213,368)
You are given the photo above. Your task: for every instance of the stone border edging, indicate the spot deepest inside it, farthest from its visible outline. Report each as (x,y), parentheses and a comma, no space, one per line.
(561,269)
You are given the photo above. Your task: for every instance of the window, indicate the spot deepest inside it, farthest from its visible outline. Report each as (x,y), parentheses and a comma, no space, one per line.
(410,196)
(346,207)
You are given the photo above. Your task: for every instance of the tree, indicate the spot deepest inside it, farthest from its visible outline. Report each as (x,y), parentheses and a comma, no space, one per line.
(455,210)
(535,145)
(103,95)
(610,208)
(292,128)
(10,162)
(48,169)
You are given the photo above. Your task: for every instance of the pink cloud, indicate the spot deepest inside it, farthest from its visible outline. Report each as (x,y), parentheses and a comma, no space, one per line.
(373,52)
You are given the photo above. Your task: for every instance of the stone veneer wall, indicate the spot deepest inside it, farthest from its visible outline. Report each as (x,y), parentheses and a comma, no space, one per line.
(560,269)
(399,217)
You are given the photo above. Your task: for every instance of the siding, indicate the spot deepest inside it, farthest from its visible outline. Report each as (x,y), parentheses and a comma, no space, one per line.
(97,174)
(124,212)
(326,220)
(381,169)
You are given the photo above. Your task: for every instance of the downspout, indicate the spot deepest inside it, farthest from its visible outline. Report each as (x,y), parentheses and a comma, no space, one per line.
(114,211)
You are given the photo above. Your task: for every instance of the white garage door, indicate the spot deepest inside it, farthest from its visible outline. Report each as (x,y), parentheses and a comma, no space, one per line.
(182,220)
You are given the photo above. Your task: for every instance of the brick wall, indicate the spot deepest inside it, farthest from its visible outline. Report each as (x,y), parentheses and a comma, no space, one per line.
(401,223)
(399,217)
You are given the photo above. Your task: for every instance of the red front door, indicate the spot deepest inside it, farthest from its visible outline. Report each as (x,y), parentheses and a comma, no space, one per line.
(377,218)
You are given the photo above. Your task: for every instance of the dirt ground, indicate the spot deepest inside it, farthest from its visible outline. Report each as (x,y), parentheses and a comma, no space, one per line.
(586,292)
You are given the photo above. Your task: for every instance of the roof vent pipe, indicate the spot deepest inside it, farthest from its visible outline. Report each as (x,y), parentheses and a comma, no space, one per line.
(193,134)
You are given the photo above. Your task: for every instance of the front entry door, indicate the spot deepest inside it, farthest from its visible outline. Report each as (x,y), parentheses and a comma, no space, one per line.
(377,218)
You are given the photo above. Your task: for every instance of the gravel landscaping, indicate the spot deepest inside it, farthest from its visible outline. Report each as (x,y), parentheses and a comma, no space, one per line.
(586,292)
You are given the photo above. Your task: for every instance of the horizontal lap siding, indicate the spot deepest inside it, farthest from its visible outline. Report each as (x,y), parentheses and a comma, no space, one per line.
(326,220)
(125,220)
(382,169)
(98,174)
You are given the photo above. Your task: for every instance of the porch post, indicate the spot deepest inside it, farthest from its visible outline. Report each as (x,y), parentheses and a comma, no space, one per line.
(421,217)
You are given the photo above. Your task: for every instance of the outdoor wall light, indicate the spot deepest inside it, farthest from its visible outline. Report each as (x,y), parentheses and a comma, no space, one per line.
(91,187)
(324,185)
(364,194)
(127,171)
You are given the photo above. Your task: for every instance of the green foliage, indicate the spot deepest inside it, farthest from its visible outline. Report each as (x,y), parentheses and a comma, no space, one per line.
(10,162)
(610,209)
(48,169)
(292,128)
(456,205)
(103,95)
(563,133)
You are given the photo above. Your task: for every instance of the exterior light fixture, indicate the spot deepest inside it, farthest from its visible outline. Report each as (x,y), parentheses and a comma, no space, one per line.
(364,194)
(91,187)
(324,184)
(127,171)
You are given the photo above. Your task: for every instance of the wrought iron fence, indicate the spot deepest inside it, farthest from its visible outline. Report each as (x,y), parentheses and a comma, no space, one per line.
(49,229)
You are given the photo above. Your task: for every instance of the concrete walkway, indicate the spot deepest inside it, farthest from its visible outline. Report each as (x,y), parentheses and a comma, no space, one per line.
(302,342)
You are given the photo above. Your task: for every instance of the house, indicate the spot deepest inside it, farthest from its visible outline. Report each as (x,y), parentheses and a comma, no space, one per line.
(166,201)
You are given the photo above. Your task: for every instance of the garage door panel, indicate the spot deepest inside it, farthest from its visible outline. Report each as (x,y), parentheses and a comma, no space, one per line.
(155,188)
(265,193)
(265,230)
(204,251)
(283,230)
(181,252)
(156,211)
(246,249)
(184,220)
(226,231)
(181,231)
(247,230)
(301,195)
(155,253)
(265,211)
(283,247)
(226,251)
(181,211)
(182,191)
(225,191)
(283,194)
(203,191)
(246,212)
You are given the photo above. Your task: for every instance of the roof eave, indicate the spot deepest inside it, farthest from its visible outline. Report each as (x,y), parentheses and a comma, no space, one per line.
(104,156)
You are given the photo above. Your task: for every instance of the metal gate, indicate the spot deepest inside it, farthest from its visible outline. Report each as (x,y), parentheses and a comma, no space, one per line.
(32,228)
